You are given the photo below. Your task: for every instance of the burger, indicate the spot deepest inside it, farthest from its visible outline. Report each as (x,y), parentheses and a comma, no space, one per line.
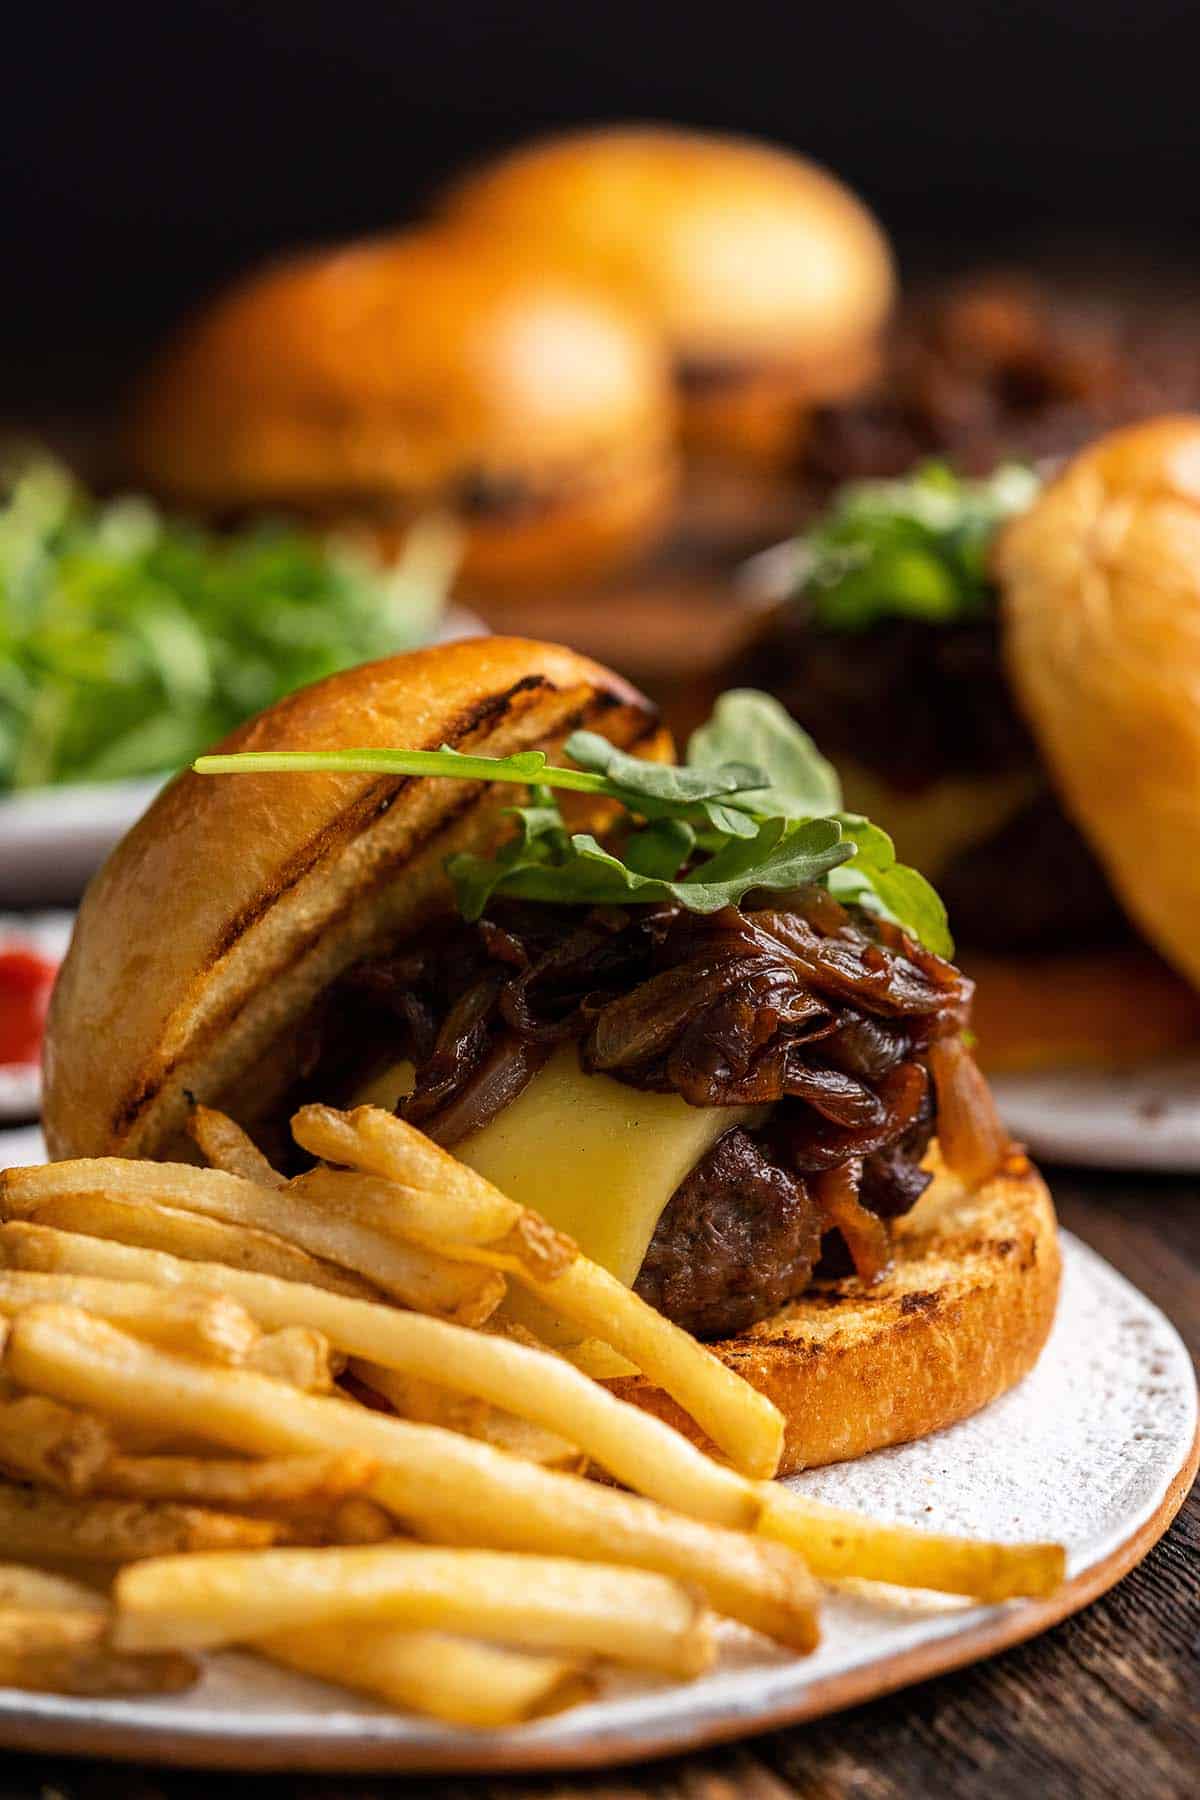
(1000,365)
(363,388)
(936,630)
(693,1013)
(769,282)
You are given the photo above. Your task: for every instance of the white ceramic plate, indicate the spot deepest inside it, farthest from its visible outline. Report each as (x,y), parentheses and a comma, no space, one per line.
(1142,1118)
(53,839)
(1095,1448)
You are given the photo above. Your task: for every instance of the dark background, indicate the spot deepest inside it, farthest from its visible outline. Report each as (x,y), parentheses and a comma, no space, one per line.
(145,154)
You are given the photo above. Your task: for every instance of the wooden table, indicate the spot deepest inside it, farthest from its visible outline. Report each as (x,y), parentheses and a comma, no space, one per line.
(1104,1707)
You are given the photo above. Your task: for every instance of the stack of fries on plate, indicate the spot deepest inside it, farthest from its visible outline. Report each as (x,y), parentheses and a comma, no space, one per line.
(289,1415)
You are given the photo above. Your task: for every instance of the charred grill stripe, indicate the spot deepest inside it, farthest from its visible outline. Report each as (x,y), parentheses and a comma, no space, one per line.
(372,805)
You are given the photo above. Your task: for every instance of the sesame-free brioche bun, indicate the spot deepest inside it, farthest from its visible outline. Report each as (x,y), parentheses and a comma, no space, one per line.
(769,280)
(1100,584)
(960,1317)
(420,373)
(236,900)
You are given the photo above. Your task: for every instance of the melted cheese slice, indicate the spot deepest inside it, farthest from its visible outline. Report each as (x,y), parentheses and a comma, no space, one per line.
(598,1159)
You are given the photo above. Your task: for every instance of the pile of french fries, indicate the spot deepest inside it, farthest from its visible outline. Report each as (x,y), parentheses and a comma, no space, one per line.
(292,1416)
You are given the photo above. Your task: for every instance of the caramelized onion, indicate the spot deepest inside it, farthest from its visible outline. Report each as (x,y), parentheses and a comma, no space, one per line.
(865,1234)
(972,1139)
(496,1081)
(827,1015)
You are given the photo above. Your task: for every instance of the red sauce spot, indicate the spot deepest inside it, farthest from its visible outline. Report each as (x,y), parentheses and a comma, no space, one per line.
(25,983)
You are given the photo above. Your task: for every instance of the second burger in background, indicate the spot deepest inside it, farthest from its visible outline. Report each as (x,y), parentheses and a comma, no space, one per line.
(367,386)
(768,280)
(1001,671)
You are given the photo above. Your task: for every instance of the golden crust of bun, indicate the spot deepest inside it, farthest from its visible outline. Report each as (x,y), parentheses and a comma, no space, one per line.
(739,251)
(237,900)
(403,374)
(962,1316)
(1101,608)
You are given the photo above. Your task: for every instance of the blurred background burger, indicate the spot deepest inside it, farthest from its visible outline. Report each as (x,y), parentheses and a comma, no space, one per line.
(417,374)
(768,281)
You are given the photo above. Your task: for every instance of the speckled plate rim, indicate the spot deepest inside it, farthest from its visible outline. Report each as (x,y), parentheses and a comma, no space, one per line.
(348,1744)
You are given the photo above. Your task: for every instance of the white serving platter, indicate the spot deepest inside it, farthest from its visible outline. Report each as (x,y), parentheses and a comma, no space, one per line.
(1096,1448)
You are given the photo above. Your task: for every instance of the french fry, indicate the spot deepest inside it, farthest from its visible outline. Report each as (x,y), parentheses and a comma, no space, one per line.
(838,1545)
(191,1236)
(34,1590)
(361,1521)
(414,1398)
(37,1524)
(740,1421)
(538,1602)
(29,1632)
(296,1354)
(543,1389)
(224,1145)
(443,1212)
(55,1445)
(447,1487)
(598,1360)
(447,1678)
(280,1481)
(54,1639)
(208,1325)
(419,1277)
(67,1652)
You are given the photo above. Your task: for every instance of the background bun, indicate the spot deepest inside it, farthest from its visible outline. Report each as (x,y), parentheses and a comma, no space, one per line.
(236,900)
(1101,607)
(414,373)
(753,262)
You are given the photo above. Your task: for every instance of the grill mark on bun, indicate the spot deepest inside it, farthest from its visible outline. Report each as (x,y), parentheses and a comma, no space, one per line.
(377,801)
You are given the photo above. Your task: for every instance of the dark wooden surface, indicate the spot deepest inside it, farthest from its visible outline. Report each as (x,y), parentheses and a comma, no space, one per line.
(1104,1707)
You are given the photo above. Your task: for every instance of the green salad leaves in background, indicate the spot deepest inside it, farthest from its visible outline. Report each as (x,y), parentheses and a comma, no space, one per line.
(128,641)
(915,548)
(755,806)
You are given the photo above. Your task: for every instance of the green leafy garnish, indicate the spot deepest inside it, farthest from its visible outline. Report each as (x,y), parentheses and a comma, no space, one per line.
(755,807)
(129,641)
(562,869)
(916,548)
(747,723)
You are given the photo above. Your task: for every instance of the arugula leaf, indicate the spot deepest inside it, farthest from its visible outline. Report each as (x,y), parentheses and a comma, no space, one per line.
(800,782)
(755,806)
(781,855)
(667,790)
(916,548)
(873,878)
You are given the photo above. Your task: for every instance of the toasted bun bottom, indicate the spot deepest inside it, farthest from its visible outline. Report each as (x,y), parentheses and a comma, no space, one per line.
(960,1318)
